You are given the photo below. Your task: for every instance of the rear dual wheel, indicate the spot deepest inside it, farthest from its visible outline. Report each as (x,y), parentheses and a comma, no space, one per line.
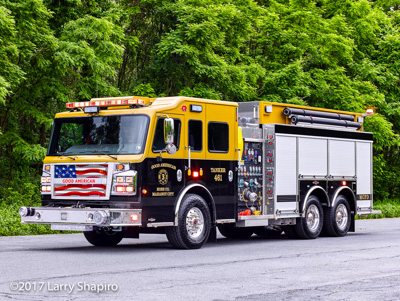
(338,218)
(334,221)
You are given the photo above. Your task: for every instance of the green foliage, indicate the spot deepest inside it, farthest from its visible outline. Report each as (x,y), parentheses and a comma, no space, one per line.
(389,208)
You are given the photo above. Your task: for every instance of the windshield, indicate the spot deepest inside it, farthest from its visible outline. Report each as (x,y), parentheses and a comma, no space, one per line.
(108,135)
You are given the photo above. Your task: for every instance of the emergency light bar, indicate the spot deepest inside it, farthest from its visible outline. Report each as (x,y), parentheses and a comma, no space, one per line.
(106,103)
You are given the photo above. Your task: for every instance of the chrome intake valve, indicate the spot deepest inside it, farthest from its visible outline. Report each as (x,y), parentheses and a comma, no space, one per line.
(100,217)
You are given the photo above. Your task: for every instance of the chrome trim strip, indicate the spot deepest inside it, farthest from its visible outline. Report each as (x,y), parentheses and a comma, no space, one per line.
(225,221)
(155,225)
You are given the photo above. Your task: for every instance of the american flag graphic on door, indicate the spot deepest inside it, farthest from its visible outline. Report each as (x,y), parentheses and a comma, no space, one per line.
(80,180)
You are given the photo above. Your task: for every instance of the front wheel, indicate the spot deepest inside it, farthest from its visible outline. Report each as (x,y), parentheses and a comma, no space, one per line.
(337,218)
(194,224)
(101,237)
(310,226)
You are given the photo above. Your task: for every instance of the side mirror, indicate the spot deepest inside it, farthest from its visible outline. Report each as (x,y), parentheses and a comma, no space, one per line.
(169,131)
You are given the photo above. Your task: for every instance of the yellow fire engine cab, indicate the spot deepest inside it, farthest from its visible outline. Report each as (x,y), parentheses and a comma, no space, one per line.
(118,167)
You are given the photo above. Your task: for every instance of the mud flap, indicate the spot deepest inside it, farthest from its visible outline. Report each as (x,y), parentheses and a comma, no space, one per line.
(213,235)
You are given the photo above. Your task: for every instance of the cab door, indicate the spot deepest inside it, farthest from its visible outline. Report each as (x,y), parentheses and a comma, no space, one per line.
(163,174)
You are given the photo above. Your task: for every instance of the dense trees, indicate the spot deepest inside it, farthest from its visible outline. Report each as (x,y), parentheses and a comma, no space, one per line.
(334,54)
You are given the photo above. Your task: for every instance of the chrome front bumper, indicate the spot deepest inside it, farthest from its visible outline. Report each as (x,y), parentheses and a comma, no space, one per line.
(100,217)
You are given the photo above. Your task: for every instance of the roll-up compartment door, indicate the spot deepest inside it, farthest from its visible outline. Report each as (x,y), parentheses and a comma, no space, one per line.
(364,174)
(286,173)
(313,156)
(342,158)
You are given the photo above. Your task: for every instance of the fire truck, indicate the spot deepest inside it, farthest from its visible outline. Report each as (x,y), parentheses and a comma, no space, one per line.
(118,167)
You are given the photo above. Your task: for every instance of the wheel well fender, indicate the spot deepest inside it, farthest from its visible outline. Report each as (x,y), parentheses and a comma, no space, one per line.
(317,191)
(348,193)
(201,191)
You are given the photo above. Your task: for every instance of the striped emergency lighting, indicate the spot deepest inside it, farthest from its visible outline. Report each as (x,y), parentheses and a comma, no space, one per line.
(106,103)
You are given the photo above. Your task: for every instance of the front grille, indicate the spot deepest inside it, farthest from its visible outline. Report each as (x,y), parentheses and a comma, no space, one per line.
(80,180)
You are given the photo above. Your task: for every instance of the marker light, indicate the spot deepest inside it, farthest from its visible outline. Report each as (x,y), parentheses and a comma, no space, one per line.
(344,183)
(47,167)
(134,217)
(370,111)
(91,110)
(120,167)
(144,191)
(196,108)
(195,174)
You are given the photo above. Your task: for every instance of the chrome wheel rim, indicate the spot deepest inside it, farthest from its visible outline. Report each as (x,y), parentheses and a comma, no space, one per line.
(313,218)
(341,216)
(194,222)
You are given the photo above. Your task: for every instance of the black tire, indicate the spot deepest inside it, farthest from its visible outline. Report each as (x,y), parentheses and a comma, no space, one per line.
(268,232)
(103,238)
(194,224)
(310,226)
(337,218)
(290,232)
(233,232)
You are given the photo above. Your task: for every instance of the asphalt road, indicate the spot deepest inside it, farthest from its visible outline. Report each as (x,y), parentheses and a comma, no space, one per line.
(361,266)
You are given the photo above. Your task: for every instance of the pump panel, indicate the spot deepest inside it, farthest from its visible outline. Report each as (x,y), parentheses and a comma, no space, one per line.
(250,178)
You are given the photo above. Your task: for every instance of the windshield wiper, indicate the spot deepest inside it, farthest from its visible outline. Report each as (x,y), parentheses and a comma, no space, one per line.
(58,153)
(103,153)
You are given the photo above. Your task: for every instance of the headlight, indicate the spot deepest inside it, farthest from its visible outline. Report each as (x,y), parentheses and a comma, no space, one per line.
(124,183)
